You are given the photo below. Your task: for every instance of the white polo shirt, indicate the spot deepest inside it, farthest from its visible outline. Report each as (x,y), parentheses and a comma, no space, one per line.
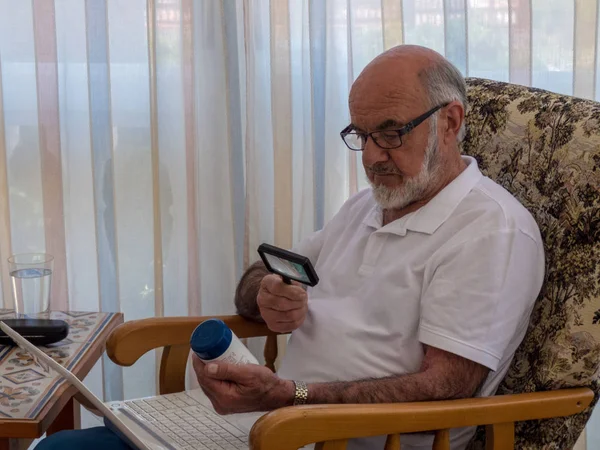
(460,274)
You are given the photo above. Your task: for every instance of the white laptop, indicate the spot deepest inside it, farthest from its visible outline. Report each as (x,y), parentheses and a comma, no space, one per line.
(181,421)
(185,420)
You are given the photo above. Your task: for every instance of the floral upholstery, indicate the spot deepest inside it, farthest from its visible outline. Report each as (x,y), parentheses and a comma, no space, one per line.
(545,149)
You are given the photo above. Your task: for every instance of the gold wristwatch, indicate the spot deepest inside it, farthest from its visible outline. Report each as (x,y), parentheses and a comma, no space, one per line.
(301,394)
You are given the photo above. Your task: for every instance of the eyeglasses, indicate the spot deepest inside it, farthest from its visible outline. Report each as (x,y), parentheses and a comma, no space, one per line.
(385,139)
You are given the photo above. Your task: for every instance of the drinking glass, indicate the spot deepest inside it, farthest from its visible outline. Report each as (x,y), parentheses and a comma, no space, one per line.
(31,275)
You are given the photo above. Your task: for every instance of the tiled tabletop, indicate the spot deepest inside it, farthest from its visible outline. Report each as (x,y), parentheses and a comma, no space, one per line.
(24,387)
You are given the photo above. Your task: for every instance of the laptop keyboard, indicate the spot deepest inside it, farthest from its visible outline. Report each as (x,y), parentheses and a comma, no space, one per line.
(184,423)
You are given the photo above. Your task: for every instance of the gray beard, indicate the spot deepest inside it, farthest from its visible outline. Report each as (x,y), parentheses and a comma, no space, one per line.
(414,188)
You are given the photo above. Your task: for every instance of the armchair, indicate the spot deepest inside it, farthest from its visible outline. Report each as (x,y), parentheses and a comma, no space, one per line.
(545,149)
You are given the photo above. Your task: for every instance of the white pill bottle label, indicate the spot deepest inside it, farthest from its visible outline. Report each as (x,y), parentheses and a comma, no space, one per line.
(237,353)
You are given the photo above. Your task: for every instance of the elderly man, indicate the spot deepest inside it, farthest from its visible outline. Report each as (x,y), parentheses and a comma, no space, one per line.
(427,279)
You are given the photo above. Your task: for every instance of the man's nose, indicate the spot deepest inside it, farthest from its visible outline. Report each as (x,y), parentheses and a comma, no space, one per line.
(373,153)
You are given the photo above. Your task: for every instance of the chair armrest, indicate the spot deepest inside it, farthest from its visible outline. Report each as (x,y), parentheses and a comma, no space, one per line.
(129,341)
(295,427)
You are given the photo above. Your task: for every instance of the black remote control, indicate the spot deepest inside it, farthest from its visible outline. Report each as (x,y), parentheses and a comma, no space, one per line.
(36,331)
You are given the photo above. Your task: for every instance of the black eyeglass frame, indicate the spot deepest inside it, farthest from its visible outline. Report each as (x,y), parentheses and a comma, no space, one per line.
(401,131)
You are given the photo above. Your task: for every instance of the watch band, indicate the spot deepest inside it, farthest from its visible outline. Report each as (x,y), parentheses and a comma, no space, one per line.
(301,394)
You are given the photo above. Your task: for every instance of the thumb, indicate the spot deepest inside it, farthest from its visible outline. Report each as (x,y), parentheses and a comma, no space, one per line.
(222,371)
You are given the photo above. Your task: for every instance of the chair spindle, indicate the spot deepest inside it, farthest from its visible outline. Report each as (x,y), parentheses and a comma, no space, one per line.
(442,440)
(393,442)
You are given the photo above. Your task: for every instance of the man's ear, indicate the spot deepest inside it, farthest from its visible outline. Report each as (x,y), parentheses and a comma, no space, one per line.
(454,114)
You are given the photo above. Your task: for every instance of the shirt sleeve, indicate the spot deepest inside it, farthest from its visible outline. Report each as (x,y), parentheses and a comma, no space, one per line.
(479,295)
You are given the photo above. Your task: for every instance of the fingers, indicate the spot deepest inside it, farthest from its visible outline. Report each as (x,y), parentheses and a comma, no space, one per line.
(214,389)
(218,392)
(235,388)
(272,315)
(209,372)
(273,296)
(275,286)
(207,384)
(284,327)
(280,314)
(236,373)
(198,366)
(223,371)
(282,306)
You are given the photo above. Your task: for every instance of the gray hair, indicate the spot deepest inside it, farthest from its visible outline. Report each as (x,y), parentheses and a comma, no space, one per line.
(444,83)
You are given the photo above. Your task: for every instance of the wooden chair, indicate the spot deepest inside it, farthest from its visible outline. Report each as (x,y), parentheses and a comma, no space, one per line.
(544,148)
(294,427)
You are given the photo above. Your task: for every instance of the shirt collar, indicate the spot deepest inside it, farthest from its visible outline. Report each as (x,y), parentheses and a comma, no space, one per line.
(432,215)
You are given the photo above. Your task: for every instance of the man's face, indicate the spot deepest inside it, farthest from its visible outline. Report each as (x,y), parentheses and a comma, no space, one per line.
(403,175)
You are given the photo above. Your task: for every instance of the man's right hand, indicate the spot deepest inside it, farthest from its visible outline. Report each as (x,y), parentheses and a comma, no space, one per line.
(282,306)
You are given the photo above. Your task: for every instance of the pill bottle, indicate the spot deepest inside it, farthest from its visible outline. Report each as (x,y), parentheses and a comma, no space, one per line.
(212,340)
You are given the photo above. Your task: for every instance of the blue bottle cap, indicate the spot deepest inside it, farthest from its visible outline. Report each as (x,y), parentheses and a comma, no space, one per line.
(211,339)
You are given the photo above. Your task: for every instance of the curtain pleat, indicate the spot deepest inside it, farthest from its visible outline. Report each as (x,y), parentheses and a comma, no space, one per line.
(334,163)
(22,161)
(281,99)
(584,55)
(352,158)
(303,139)
(215,177)
(50,146)
(318,55)
(5,241)
(187,211)
(552,42)
(156,182)
(455,38)
(233,28)
(393,25)
(488,39)
(520,42)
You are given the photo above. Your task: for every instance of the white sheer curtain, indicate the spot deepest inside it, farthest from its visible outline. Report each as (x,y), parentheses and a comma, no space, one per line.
(152,145)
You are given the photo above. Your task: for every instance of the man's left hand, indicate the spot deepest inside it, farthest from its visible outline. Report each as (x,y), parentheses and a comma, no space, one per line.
(242,388)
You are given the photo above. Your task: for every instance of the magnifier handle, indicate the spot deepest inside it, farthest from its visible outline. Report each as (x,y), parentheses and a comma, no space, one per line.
(286,280)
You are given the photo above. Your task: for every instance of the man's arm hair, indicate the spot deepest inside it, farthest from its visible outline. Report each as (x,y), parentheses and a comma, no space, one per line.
(247,291)
(443,376)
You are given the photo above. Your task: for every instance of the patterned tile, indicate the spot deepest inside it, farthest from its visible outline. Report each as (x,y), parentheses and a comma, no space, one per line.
(76,326)
(60,355)
(78,313)
(20,359)
(14,397)
(24,376)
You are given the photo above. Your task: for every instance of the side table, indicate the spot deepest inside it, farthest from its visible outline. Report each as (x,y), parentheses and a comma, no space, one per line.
(33,402)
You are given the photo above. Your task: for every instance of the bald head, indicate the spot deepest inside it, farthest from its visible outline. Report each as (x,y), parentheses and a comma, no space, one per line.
(397,72)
